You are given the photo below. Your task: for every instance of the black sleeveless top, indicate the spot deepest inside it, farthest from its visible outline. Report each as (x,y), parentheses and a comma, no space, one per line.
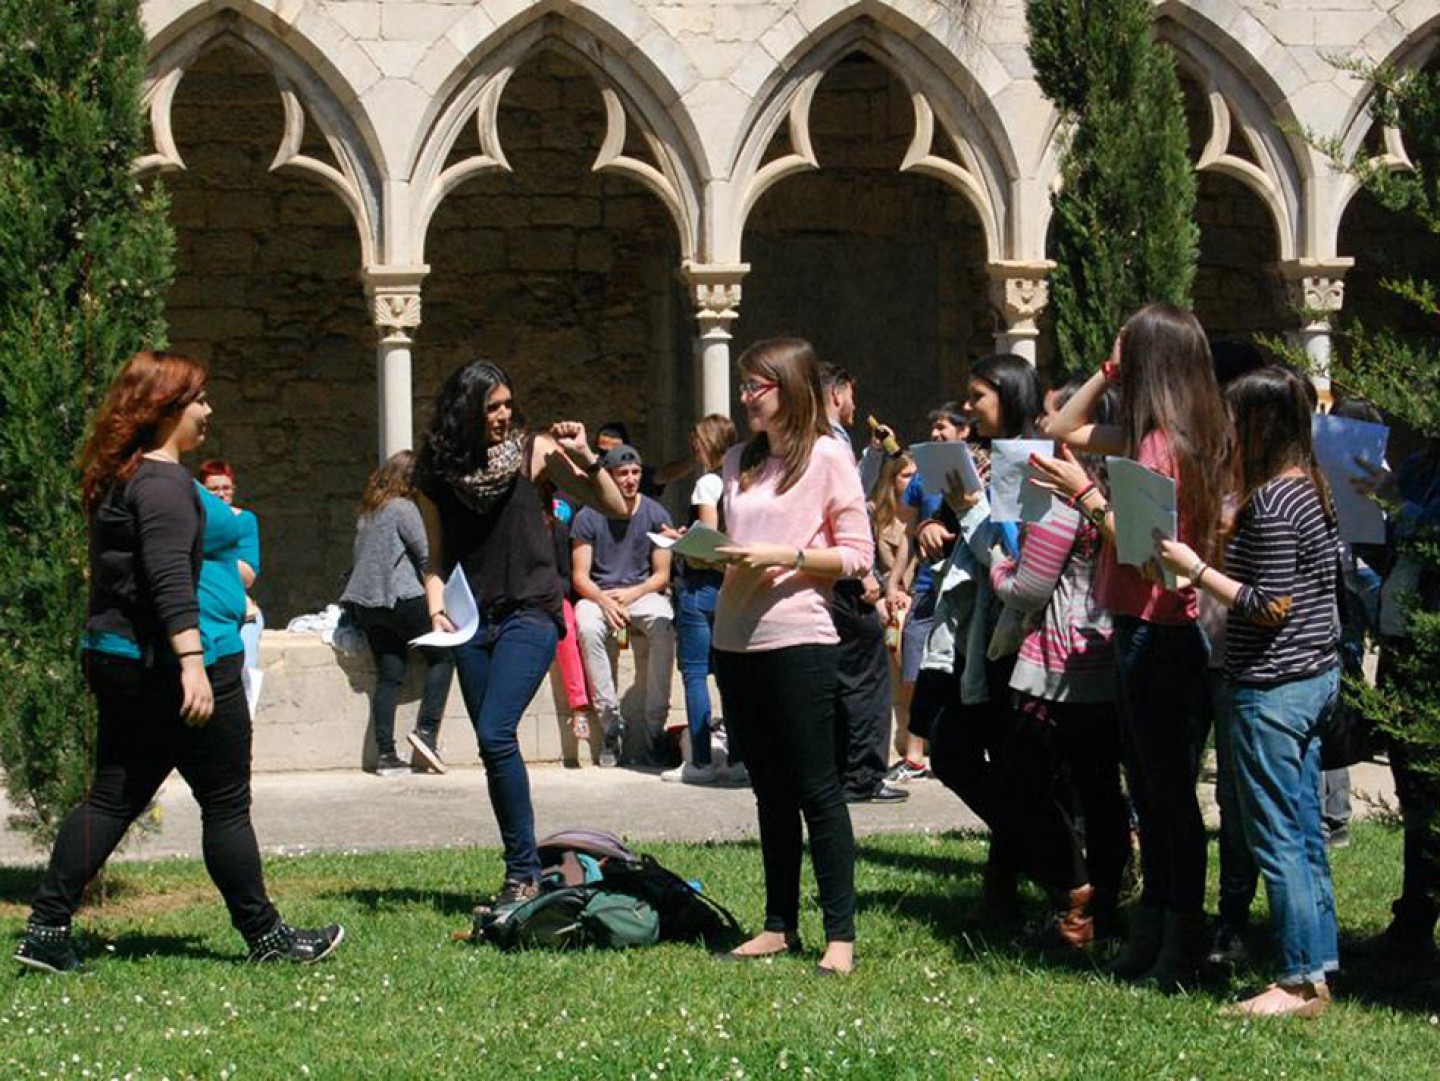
(508,554)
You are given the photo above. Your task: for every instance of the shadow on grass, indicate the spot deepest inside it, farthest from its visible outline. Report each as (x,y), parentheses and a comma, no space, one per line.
(374,899)
(136,947)
(944,864)
(17,884)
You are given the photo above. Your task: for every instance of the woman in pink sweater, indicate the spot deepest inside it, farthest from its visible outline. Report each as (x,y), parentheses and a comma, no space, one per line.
(794,508)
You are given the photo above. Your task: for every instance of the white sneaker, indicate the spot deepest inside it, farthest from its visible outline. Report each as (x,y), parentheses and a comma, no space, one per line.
(691,774)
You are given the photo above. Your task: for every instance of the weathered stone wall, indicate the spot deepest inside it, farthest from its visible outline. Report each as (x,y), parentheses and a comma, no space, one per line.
(267,292)
(883,272)
(566,278)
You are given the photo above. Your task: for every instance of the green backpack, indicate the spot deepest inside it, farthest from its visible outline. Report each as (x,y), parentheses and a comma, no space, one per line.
(574,917)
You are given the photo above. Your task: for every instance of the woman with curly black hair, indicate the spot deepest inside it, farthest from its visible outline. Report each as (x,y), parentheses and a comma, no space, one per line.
(477,479)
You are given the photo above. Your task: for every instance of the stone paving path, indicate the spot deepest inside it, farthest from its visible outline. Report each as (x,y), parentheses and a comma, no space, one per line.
(353,811)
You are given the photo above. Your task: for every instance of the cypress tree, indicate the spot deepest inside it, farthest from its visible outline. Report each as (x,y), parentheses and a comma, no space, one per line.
(85,258)
(1123,233)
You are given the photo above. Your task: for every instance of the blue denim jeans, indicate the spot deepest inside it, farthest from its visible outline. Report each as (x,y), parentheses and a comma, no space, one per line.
(694,620)
(500,670)
(1163,722)
(1275,738)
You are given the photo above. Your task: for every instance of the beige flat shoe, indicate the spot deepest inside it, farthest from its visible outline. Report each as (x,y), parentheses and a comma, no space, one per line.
(1305,1000)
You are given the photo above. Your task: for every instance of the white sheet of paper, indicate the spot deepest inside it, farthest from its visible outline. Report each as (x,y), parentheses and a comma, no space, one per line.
(699,542)
(1012,497)
(1338,442)
(1143,501)
(937,460)
(461,607)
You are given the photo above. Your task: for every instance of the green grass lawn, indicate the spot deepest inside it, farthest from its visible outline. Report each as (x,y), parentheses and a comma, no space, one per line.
(932,998)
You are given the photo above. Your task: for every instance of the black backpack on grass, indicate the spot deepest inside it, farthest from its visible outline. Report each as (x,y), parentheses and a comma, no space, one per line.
(596,892)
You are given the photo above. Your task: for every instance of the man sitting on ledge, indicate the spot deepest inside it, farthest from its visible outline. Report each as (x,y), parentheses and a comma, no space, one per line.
(622,579)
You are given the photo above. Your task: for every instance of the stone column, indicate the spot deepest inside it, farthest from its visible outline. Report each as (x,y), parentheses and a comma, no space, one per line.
(1019,291)
(715,291)
(1315,289)
(394,294)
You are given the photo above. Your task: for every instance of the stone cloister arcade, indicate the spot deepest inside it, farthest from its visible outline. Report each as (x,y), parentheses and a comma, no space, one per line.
(611,197)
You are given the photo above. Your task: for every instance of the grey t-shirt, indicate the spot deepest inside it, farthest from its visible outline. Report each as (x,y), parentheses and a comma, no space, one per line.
(621,550)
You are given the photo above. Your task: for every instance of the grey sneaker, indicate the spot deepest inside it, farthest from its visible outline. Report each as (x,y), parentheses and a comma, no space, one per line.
(295,944)
(425,753)
(48,949)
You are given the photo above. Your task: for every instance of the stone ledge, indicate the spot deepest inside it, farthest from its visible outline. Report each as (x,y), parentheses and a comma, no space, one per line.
(314,710)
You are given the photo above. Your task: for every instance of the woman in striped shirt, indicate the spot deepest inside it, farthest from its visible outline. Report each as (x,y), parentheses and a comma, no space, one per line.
(1282,661)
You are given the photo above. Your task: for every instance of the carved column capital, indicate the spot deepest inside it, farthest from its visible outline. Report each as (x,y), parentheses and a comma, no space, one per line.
(1020,292)
(1315,288)
(715,292)
(394,294)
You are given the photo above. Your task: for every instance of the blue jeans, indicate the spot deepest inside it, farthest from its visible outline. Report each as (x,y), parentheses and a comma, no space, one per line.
(500,670)
(1163,721)
(1276,743)
(694,620)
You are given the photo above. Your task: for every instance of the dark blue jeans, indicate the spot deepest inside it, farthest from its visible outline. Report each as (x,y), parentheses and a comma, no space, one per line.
(694,620)
(500,670)
(1164,715)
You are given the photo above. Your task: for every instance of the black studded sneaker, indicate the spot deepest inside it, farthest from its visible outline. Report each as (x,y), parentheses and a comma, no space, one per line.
(301,946)
(48,949)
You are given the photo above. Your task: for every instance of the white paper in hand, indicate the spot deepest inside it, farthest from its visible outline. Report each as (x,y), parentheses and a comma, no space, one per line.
(936,461)
(1143,501)
(699,543)
(1338,442)
(1012,497)
(460,606)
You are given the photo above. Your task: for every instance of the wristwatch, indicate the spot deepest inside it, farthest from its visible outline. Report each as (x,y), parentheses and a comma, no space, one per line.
(1096,514)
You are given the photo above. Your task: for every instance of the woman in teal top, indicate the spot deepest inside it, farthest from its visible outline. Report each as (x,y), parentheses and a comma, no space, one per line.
(228,539)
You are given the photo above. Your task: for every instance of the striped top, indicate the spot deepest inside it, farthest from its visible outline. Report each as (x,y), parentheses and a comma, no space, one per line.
(1284,623)
(1067,656)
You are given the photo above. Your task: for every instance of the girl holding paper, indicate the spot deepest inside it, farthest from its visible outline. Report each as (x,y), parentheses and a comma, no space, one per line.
(795,511)
(387,600)
(1282,661)
(1172,421)
(478,479)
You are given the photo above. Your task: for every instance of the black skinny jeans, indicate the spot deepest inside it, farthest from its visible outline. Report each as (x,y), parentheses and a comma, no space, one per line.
(1417,787)
(782,704)
(389,630)
(141,738)
(1063,757)
(863,699)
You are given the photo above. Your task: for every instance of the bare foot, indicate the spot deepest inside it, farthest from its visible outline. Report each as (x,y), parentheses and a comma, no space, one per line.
(1300,1000)
(767,944)
(839,957)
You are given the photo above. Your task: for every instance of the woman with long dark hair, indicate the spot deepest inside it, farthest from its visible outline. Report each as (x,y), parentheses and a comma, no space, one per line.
(971,721)
(478,477)
(1282,664)
(796,513)
(166,698)
(387,599)
(1173,421)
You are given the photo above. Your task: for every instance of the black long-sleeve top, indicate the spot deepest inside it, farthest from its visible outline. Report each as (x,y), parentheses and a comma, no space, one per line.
(145,555)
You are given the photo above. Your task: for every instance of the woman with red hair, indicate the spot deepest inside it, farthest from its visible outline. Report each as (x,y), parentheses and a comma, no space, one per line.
(164,700)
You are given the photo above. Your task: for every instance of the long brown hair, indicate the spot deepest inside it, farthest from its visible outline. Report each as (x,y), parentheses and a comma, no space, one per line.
(1167,384)
(152,387)
(391,481)
(1271,411)
(791,364)
(714,435)
(884,503)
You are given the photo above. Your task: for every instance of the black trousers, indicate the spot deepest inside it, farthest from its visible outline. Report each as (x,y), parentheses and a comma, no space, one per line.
(863,691)
(141,738)
(782,703)
(1417,787)
(1063,758)
(389,630)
